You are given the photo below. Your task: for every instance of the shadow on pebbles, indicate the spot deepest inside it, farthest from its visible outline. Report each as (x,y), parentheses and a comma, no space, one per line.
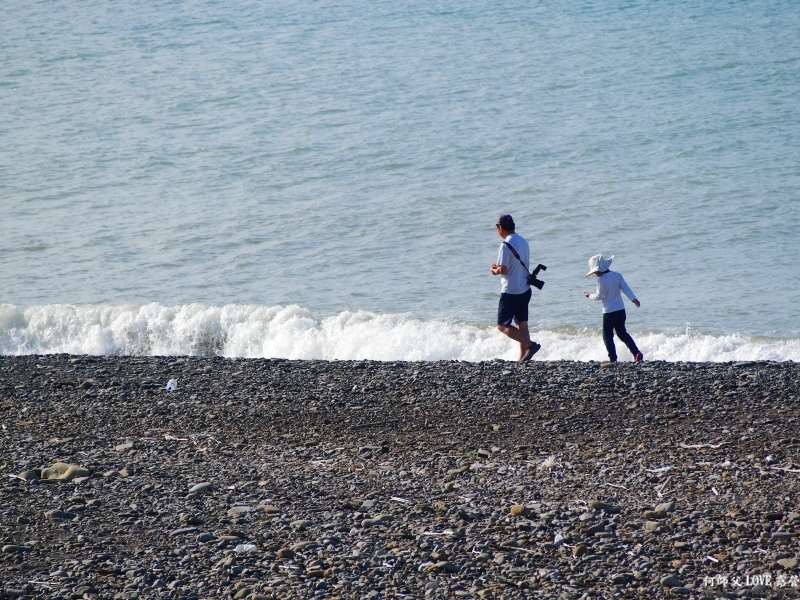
(303,479)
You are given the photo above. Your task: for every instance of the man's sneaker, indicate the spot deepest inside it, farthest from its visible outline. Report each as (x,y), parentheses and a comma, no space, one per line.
(638,358)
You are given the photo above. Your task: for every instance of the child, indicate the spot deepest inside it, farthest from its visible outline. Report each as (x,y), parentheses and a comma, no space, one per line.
(609,286)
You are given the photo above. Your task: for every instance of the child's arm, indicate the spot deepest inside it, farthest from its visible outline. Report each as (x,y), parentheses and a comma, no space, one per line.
(628,291)
(600,294)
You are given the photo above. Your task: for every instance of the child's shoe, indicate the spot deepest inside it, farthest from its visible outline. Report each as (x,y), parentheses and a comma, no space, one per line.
(638,358)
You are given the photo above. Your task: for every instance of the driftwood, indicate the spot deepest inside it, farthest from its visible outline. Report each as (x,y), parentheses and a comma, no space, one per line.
(373,424)
(615,485)
(663,486)
(696,446)
(494,546)
(786,469)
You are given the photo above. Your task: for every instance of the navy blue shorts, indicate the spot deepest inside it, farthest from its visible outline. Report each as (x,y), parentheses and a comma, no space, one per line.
(513,307)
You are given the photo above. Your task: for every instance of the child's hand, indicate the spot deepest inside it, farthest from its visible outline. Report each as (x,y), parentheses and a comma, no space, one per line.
(585,294)
(636,303)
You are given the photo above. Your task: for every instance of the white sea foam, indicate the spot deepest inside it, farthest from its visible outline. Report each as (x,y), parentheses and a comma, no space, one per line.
(295,333)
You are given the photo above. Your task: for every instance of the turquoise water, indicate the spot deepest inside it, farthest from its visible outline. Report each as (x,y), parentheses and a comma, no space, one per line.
(332,172)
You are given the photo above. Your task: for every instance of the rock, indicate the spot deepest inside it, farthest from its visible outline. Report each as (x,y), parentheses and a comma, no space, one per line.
(124,447)
(238,510)
(790,564)
(15,548)
(605,506)
(518,510)
(443,567)
(580,550)
(269,509)
(285,553)
(64,472)
(302,523)
(671,581)
(191,520)
(300,546)
(380,519)
(31,474)
(597,528)
(666,507)
(201,487)
(60,514)
(682,591)
(183,531)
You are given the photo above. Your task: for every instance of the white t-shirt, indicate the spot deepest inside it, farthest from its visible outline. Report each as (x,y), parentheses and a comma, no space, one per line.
(516,280)
(609,288)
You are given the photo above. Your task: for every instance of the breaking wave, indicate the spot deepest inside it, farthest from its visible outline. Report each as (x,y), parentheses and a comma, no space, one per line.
(293,332)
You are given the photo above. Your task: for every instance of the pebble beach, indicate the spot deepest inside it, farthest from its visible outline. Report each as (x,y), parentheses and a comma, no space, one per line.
(270,478)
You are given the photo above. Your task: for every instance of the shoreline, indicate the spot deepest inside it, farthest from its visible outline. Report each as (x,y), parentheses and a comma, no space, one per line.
(358,479)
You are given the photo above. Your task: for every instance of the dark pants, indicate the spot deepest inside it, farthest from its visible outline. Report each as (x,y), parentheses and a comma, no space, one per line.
(615,322)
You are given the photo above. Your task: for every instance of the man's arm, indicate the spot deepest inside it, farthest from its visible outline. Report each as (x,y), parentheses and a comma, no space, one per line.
(499,269)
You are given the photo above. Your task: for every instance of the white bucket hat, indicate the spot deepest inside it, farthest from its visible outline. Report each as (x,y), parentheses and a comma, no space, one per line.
(598,264)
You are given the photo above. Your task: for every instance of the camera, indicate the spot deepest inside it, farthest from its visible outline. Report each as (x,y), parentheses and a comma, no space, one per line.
(535,281)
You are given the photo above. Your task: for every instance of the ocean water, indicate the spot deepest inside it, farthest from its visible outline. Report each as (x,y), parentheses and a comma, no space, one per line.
(321,180)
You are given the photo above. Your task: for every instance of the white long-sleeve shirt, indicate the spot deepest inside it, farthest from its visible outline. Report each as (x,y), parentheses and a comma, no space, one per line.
(609,289)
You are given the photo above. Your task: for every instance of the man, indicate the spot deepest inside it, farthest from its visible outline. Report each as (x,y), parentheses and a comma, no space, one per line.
(515,292)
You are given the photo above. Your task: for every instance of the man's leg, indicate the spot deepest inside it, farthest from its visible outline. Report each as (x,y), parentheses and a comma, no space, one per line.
(608,336)
(523,327)
(514,308)
(517,334)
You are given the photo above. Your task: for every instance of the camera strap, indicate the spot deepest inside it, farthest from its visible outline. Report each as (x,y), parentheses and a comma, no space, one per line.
(514,252)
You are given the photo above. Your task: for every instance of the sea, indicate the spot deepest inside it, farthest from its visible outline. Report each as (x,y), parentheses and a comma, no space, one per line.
(309,179)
